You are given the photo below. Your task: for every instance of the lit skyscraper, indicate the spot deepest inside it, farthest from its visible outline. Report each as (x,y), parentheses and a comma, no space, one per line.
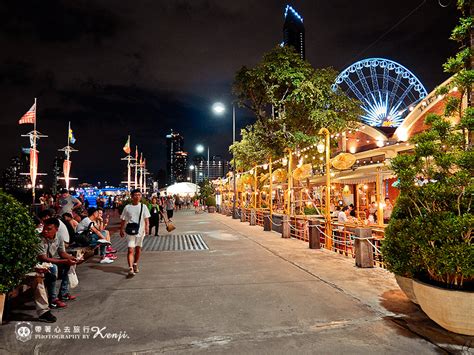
(175,169)
(218,168)
(293,31)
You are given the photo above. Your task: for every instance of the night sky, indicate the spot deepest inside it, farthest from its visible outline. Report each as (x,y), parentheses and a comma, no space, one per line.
(117,67)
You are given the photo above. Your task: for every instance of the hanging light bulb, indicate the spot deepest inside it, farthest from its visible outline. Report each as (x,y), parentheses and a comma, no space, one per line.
(265,166)
(284,161)
(320,147)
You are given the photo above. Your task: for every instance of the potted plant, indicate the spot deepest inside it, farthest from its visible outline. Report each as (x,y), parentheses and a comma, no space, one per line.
(18,245)
(429,237)
(211,204)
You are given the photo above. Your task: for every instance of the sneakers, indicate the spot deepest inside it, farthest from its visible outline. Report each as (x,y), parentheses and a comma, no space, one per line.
(67,297)
(131,273)
(111,256)
(47,317)
(103,241)
(135,269)
(106,260)
(57,304)
(110,250)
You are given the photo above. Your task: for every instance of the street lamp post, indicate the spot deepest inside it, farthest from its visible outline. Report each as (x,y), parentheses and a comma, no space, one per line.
(219,109)
(200,149)
(327,211)
(191,169)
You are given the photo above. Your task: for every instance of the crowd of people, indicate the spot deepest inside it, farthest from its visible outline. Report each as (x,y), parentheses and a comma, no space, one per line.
(64,223)
(346,214)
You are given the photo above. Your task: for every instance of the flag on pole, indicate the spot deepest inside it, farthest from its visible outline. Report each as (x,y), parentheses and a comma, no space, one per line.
(33,166)
(141,159)
(30,116)
(67,171)
(136,153)
(126,147)
(72,139)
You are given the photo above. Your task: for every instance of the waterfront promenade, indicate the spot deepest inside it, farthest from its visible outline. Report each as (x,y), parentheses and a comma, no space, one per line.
(249,292)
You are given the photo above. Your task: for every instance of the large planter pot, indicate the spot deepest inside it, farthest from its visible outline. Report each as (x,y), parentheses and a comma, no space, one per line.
(406,286)
(211,209)
(2,305)
(451,309)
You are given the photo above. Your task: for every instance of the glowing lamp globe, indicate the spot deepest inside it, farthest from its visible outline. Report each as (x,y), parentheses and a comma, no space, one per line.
(320,147)
(218,108)
(200,148)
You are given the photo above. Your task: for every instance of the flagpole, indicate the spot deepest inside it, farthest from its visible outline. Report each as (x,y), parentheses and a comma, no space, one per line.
(33,187)
(136,163)
(67,152)
(129,182)
(144,177)
(141,172)
(130,165)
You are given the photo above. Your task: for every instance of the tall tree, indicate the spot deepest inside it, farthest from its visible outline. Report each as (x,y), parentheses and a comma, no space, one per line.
(291,102)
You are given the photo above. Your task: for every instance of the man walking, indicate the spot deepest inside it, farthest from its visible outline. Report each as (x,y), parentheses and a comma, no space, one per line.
(134,214)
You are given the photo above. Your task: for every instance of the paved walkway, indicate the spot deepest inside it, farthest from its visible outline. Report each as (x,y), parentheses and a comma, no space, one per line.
(251,292)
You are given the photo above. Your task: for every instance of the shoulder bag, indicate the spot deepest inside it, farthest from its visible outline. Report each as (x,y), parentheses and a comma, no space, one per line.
(133,228)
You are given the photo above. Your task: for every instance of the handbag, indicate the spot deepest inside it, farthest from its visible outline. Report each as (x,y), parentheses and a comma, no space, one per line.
(84,238)
(72,276)
(133,228)
(169,226)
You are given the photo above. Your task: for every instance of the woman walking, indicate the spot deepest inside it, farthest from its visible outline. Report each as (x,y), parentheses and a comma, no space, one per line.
(169,207)
(155,215)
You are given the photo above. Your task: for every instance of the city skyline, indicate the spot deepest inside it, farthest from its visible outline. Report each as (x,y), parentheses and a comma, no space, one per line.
(139,90)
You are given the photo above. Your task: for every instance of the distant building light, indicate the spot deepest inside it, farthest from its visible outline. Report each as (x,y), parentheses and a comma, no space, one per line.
(293,11)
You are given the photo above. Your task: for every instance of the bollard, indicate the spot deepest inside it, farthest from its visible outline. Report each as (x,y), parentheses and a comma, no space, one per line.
(314,235)
(235,213)
(285,228)
(364,256)
(242,215)
(253,217)
(267,222)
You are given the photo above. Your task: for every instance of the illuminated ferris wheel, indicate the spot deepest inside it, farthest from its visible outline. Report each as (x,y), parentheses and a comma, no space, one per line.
(385,89)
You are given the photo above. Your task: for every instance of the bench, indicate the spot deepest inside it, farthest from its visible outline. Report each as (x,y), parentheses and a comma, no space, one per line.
(29,278)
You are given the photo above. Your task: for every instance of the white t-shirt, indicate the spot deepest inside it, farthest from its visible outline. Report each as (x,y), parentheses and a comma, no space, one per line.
(84,225)
(131,213)
(63,233)
(341,217)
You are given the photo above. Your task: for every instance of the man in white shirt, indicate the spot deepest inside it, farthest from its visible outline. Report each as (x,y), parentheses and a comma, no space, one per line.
(344,216)
(131,214)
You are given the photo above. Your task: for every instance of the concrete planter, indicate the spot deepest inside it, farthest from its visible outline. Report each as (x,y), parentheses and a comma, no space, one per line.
(453,310)
(211,209)
(406,285)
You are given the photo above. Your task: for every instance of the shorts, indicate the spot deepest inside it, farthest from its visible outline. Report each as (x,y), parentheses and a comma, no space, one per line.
(135,240)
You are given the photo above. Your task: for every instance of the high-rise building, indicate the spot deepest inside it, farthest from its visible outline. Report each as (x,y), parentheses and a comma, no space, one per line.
(180,164)
(12,178)
(293,31)
(218,167)
(174,158)
(57,173)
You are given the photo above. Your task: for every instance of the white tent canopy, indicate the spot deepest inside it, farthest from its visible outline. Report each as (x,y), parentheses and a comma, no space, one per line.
(182,189)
